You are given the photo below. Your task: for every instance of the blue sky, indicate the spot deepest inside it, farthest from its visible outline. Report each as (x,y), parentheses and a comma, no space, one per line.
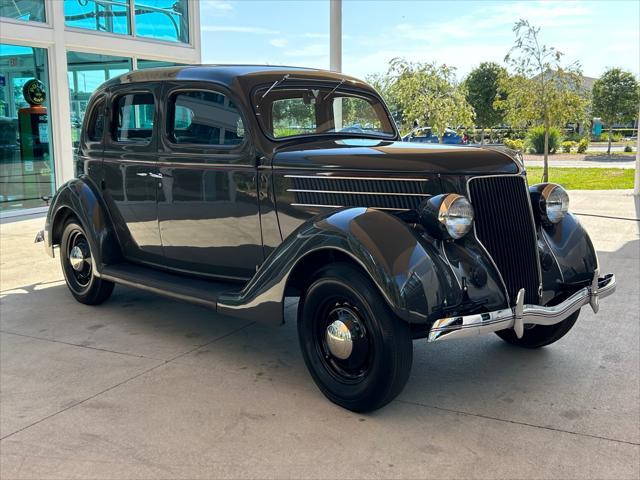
(598,34)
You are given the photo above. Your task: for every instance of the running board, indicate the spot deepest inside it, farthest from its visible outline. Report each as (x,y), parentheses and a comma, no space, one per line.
(179,287)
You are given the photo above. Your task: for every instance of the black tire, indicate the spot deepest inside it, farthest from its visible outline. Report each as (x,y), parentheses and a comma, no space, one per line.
(380,361)
(82,282)
(540,335)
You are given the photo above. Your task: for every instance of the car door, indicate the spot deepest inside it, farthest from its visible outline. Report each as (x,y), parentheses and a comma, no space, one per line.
(208,205)
(130,170)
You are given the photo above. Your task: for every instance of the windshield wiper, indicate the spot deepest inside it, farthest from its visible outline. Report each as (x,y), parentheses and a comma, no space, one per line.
(334,89)
(274,85)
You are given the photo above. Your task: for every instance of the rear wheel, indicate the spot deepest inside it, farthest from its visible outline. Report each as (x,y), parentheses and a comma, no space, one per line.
(77,266)
(357,351)
(540,335)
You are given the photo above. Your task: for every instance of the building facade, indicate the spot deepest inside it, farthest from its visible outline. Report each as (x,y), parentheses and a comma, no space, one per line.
(53,55)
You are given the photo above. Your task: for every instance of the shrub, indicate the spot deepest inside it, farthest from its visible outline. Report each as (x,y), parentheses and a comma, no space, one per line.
(583,144)
(568,146)
(573,136)
(616,137)
(535,139)
(628,149)
(516,144)
(604,137)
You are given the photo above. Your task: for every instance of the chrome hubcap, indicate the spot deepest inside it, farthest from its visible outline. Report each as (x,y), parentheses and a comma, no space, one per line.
(78,262)
(77,258)
(339,340)
(344,334)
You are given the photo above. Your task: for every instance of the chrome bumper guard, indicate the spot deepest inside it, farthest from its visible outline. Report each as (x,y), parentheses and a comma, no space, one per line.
(41,237)
(521,315)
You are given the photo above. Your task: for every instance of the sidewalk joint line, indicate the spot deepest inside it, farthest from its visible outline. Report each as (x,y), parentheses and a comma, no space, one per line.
(162,362)
(516,422)
(52,340)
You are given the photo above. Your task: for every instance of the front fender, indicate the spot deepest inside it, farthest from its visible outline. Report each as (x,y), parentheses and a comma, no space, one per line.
(572,251)
(79,197)
(410,270)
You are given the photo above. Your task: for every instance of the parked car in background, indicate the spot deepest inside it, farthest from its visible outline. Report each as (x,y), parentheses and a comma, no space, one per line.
(233,187)
(426,135)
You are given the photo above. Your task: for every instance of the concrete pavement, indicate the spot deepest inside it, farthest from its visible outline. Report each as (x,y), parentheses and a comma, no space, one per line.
(145,387)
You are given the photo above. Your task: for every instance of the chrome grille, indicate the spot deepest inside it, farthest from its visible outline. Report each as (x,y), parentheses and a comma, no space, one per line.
(504,225)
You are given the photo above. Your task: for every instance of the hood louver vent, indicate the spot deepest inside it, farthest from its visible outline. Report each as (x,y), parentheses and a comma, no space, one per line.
(385,194)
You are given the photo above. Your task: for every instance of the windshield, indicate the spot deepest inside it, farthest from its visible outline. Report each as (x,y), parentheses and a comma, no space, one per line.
(293,111)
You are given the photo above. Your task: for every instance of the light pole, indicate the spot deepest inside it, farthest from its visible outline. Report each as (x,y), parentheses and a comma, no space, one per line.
(335,52)
(335,35)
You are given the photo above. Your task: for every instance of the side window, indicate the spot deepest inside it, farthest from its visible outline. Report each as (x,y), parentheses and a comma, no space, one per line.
(293,116)
(95,125)
(134,116)
(204,118)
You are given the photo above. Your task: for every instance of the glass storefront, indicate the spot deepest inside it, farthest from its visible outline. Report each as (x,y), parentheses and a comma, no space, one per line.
(27,10)
(102,15)
(86,72)
(26,156)
(28,169)
(163,20)
(157,19)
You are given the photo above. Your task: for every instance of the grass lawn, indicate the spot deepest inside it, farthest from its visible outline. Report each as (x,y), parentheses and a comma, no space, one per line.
(585,178)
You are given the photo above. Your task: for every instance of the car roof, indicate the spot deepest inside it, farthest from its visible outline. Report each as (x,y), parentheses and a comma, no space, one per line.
(229,75)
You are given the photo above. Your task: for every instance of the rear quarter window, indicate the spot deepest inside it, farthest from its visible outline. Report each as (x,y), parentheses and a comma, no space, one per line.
(134,117)
(95,123)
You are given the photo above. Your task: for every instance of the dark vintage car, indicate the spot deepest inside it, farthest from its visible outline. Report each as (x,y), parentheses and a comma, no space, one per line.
(233,187)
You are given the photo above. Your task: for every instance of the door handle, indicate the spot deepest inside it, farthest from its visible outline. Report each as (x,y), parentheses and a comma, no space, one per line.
(155,175)
(142,174)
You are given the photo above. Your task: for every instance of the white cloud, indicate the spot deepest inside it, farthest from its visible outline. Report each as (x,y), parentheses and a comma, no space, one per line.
(311,50)
(486,20)
(215,6)
(279,42)
(238,29)
(316,35)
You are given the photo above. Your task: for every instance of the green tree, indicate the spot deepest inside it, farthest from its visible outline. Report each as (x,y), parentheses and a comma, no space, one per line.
(482,92)
(615,98)
(541,90)
(429,94)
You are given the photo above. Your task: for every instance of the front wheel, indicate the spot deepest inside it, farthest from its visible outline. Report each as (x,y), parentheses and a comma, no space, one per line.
(78,266)
(538,336)
(357,351)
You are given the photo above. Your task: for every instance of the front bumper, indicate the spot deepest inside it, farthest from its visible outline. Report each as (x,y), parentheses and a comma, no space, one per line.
(520,315)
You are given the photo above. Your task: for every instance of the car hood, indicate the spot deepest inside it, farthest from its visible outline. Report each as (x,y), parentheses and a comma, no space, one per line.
(392,156)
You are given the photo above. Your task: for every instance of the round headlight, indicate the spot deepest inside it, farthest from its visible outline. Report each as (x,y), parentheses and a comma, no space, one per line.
(447,216)
(456,214)
(554,202)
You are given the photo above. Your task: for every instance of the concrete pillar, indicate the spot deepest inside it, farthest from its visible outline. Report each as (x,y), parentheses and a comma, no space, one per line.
(335,35)
(60,118)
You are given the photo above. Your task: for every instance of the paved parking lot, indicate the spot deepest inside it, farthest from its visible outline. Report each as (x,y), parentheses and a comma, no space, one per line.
(145,387)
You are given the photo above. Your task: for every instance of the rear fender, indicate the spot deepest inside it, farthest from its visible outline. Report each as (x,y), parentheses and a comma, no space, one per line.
(79,198)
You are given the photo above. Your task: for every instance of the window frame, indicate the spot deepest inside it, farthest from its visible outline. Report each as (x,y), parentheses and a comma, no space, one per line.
(113,111)
(100,102)
(169,108)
